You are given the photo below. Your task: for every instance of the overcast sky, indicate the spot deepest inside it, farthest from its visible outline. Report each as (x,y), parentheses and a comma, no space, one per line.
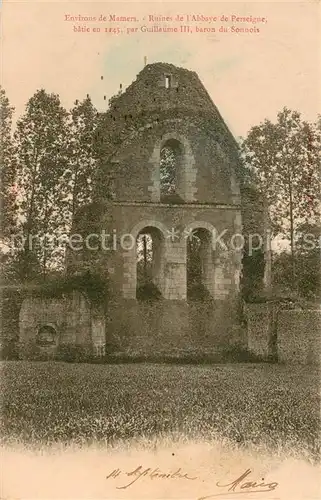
(250,77)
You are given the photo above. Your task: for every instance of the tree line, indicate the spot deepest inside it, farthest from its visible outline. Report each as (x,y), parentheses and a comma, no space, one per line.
(48,166)
(283,161)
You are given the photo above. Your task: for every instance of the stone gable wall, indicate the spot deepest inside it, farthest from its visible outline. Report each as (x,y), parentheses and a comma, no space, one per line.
(131,136)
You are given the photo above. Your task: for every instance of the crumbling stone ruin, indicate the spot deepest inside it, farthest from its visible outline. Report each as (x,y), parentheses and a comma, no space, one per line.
(167,186)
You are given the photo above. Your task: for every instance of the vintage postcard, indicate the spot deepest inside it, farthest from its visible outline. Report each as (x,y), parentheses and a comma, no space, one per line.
(160,250)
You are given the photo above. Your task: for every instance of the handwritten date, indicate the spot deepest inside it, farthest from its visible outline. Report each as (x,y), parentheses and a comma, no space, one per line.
(140,472)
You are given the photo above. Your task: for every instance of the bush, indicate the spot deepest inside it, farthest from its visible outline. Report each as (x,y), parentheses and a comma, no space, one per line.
(198,293)
(240,354)
(32,352)
(74,353)
(9,350)
(148,291)
(230,354)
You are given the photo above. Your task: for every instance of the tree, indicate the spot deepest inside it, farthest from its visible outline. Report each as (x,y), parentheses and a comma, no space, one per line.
(285,160)
(82,156)
(144,258)
(42,158)
(308,240)
(167,171)
(256,258)
(8,209)
(307,264)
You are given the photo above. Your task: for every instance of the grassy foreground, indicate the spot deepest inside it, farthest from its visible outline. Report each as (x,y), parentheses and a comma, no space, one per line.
(273,406)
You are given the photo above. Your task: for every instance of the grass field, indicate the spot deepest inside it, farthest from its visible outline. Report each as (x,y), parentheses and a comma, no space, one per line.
(273,406)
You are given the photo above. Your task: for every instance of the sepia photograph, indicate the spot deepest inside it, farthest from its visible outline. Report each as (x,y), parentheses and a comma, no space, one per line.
(160,250)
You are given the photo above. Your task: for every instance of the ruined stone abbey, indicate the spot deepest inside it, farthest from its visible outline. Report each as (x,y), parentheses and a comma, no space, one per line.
(140,204)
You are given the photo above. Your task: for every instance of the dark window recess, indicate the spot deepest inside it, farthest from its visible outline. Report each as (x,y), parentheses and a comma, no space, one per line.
(149,255)
(171,166)
(46,336)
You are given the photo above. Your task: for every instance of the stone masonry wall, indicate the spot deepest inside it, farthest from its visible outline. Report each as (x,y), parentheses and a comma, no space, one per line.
(124,221)
(258,319)
(299,336)
(207,172)
(297,333)
(144,117)
(132,133)
(172,327)
(70,316)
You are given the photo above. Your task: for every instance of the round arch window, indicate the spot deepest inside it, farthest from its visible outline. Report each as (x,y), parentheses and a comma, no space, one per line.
(171,171)
(46,336)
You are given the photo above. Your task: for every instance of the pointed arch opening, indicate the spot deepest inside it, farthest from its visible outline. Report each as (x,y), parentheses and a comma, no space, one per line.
(149,264)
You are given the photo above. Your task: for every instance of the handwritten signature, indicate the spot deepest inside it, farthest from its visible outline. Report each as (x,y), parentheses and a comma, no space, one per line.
(240,486)
(140,472)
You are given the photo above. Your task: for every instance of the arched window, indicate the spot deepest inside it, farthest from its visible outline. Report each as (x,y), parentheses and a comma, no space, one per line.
(171,160)
(149,262)
(46,336)
(199,265)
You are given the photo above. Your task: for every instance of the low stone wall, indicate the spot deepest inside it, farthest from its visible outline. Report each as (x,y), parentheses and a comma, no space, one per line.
(258,318)
(287,335)
(299,336)
(69,316)
(172,328)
